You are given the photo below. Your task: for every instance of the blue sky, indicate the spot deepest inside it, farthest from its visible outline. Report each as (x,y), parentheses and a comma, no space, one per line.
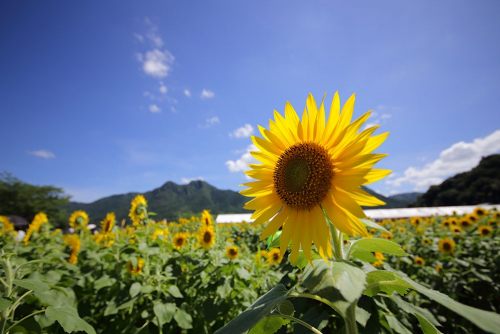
(106,97)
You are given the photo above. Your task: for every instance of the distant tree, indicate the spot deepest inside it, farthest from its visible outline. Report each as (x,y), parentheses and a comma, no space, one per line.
(26,200)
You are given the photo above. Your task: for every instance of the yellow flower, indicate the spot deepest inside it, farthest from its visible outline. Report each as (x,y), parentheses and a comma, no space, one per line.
(206,237)
(137,270)
(439,269)
(309,165)
(445,223)
(427,241)
(456,230)
(261,254)
(232,252)
(415,221)
(179,240)
(78,219)
(73,240)
(419,261)
(485,230)
(386,235)
(206,219)
(108,223)
(480,212)
(420,230)
(39,219)
(137,209)
(274,256)
(5,225)
(473,217)
(230,240)
(465,222)
(404,247)
(402,229)
(243,229)
(447,246)
(380,259)
(453,221)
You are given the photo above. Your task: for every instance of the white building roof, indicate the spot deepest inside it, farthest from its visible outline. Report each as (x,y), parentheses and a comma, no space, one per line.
(379,214)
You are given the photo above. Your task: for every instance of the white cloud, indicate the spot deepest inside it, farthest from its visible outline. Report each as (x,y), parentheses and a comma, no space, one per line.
(43,154)
(207,94)
(187,92)
(241,164)
(186,180)
(243,132)
(385,116)
(163,89)
(173,109)
(154,108)
(139,37)
(157,63)
(458,158)
(369,125)
(139,57)
(209,122)
(152,34)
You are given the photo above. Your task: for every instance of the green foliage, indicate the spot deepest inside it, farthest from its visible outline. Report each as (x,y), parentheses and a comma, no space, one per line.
(26,200)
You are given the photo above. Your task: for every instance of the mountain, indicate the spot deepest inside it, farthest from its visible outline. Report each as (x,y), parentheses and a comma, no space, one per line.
(172,201)
(389,202)
(406,197)
(480,185)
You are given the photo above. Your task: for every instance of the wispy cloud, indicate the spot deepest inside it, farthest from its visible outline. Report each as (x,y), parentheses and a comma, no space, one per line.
(375,120)
(186,180)
(241,164)
(458,158)
(210,122)
(163,89)
(187,92)
(139,37)
(207,94)
(242,132)
(157,63)
(154,108)
(153,34)
(43,154)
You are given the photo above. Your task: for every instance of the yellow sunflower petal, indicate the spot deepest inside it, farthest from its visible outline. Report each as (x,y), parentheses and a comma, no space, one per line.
(276,223)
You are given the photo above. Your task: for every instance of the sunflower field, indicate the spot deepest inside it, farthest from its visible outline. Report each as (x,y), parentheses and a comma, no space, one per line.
(311,261)
(195,276)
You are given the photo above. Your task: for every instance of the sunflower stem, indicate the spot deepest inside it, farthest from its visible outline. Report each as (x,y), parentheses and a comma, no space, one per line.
(350,320)
(337,244)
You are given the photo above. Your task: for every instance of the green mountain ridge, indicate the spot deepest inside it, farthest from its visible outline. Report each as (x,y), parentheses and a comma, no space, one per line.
(172,201)
(477,186)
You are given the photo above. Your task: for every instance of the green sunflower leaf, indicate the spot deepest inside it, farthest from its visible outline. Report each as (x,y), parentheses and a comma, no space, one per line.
(378,245)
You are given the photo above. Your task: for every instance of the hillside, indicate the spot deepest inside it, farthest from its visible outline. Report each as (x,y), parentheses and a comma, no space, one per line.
(480,185)
(406,197)
(172,201)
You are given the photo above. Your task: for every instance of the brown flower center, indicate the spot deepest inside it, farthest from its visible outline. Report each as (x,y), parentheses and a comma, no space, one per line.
(303,175)
(446,246)
(207,237)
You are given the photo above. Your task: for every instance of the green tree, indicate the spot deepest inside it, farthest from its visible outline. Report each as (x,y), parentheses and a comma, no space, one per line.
(26,200)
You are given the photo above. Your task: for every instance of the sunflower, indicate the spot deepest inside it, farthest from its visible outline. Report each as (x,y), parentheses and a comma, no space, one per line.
(415,221)
(446,223)
(180,240)
(453,221)
(78,219)
(473,217)
(260,255)
(37,222)
(311,165)
(206,219)
(480,212)
(456,230)
(108,223)
(447,246)
(420,230)
(138,209)
(5,225)
(402,229)
(73,240)
(137,270)
(206,237)
(464,222)
(485,230)
(380,259)
(386,235)
(232,252)
(419,261)
(492,222)
(427,241)
(274,256)
(439,269)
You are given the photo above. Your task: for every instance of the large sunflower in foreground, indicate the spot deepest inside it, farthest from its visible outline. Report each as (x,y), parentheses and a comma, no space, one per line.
(309,165)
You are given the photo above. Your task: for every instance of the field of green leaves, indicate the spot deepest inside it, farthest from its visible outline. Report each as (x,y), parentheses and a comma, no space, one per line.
(195,276)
